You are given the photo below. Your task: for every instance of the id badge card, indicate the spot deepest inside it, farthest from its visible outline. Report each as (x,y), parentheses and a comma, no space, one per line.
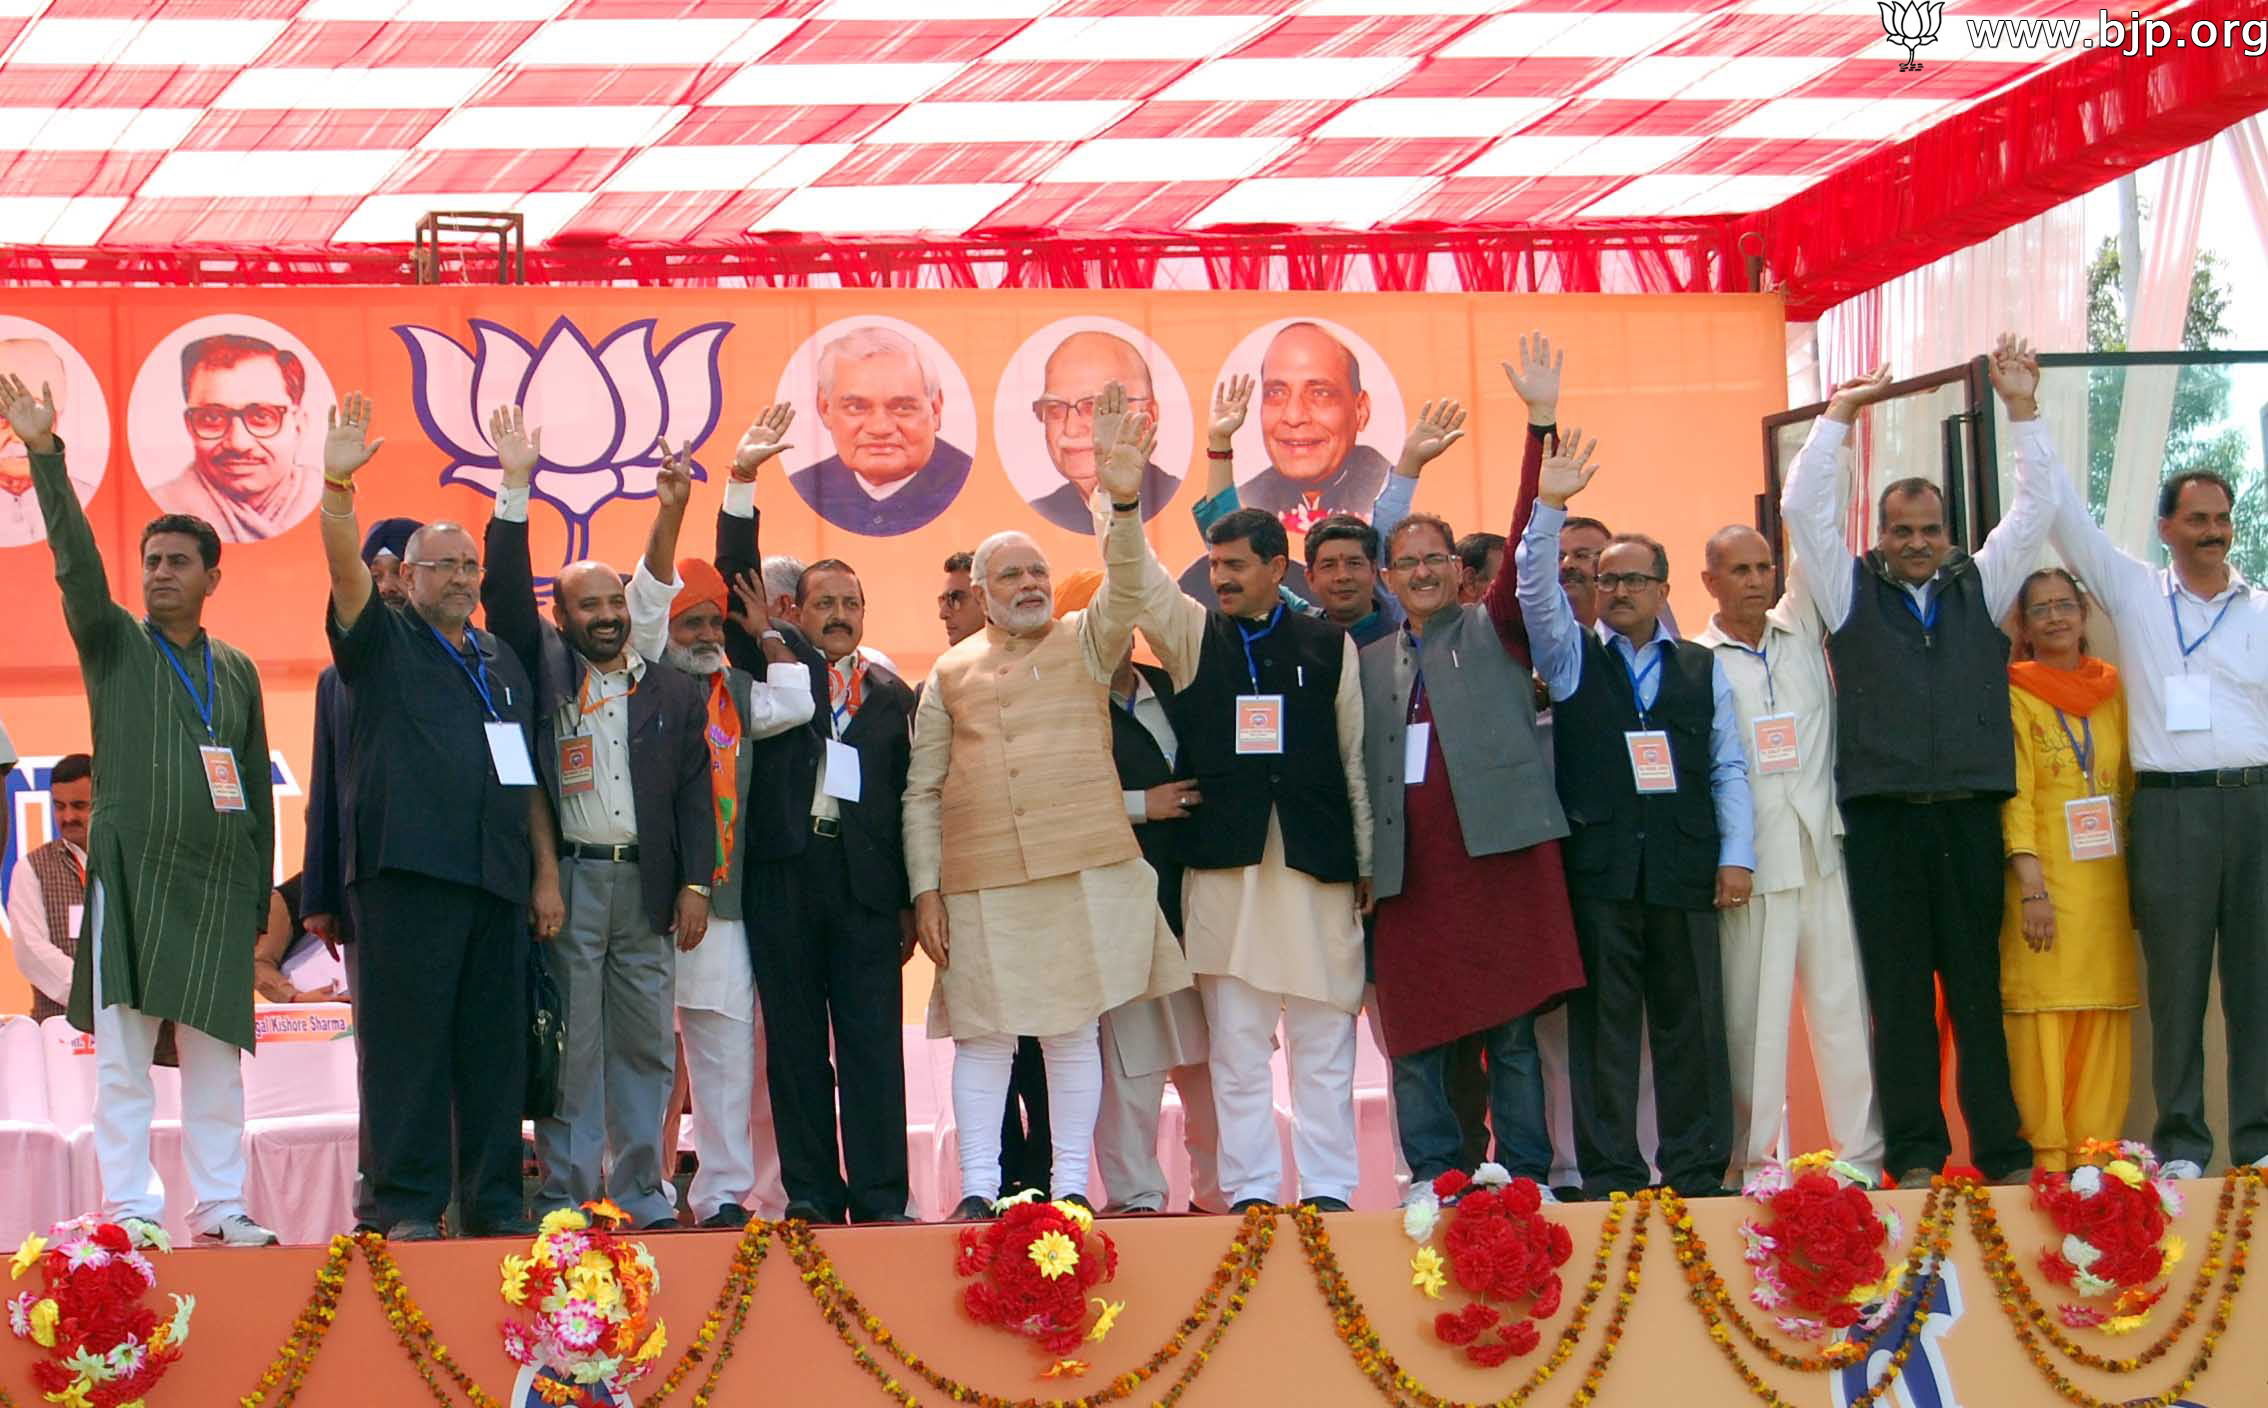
(842,771)
(1650,765)
(578,766)
(1777,747)
(222,779)
(1259,723)
(508,755)
(2091,826)
(1416,743)
(76,917)
(2189,703)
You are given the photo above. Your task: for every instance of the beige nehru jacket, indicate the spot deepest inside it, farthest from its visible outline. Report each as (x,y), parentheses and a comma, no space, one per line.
(1011,777)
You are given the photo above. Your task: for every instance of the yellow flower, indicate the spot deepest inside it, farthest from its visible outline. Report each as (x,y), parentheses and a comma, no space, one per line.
(73,1397)
(605,1208)
(27,1255)
(654,1345)
(1080,1215)
(43,1318)
(515,1280)
(1065,1368)
(1426,1272)
(592,1279)
(1054,1254)
(564,1220)
(2176,1249)
(2125,1172)
(1108,1318)
(554,1392)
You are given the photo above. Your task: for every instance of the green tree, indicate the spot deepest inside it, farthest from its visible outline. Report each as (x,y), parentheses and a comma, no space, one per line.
(2199,435)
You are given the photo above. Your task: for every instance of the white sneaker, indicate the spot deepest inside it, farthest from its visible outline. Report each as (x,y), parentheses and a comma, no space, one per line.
(237,1230)
(2182,1169)
(1549,1198)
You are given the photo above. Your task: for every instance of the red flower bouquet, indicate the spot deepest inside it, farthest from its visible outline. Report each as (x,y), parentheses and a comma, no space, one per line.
(1821,1256)
(1498,1247)
(104,1347)
(1034,1266)
(2113,1212)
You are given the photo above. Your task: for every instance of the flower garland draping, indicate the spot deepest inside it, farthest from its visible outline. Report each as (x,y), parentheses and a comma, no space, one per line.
(1818,1256)
(2113,1211)
(1034,1266)
(587,1320)
(104,1347)
(1199,1335)
(1500,1249)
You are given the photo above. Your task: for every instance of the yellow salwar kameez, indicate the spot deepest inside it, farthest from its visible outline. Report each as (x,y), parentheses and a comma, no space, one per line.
(2069,1010)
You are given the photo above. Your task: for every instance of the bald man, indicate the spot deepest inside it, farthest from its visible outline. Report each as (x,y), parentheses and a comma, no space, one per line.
(38,364)
(1796,929)
(1077,370)
(1312,406)
(621,747)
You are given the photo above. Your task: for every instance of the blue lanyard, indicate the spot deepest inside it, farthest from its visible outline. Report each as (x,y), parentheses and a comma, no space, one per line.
(1417,678)
(205,702)
(1928,620)
(2189,647)
(2084,752)
(477,671)
(1638,680)
(1252,666)
(1771,694)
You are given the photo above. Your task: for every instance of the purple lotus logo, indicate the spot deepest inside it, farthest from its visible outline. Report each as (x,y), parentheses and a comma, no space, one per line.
(601,408)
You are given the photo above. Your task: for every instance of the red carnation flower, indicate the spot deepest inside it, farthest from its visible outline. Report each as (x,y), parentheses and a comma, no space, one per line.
(1523,1197)
(1521,1336)
(1451,1183)
(1547,1300)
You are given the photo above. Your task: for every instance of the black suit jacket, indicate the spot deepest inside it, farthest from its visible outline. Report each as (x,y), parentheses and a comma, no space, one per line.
(1142,765)
(777,823)
(669,753)
(323,864)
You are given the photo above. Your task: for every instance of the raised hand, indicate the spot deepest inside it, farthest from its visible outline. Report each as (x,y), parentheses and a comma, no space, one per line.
(1536,378)
(31,417)
(2015,372)
(1439,425)
(1858,392)
(763,440)
(347,445)
(1123,445)
(673,482)
(1232,401)
(517,449)
(1567,468)
(751,609)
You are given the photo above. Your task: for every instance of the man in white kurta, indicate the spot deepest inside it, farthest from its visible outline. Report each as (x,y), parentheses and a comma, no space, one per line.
(1030,893)
(1796,927)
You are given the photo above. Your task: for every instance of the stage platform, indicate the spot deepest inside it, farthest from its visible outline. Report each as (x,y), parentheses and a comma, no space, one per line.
(1282,1348)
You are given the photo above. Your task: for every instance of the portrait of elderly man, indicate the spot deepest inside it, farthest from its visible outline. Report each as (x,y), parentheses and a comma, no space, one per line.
(881,402)
(38,364)
(1076,371)
(241,403)
(1312,406)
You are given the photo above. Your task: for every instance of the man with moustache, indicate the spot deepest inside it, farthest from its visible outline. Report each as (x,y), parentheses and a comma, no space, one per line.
(825,846)
(1661,836)
(1924,758)
(178,853)
(1312,406)
(1480,556)
(47,895)
(682,622)
(1796,927)
(2194,641)
(621,742)
(881,403)
(1065,408)
(1030,892)
(241,401)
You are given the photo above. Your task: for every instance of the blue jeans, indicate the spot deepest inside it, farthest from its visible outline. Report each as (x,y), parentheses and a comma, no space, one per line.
(1431,1137)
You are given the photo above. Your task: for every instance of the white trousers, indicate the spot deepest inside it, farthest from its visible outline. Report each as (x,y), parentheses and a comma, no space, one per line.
(1126,1138)
(981,1069)
(1767,947)
(1319,1052)
(732,1114)
(212,1110)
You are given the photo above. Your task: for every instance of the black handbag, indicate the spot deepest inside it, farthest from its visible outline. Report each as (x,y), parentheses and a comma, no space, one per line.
(547,1038)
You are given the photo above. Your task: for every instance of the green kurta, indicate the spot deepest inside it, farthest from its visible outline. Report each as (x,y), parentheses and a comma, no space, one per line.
(185,887)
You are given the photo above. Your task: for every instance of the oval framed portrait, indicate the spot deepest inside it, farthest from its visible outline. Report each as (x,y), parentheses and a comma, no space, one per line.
(1043,416)
(885,427)
(44,357)
(1326,422)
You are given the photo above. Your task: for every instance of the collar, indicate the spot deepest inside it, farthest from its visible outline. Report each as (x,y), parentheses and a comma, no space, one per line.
(1608,635)
(77,851)
(1142,690)
(2171,582)
(1714,635)
(879,492)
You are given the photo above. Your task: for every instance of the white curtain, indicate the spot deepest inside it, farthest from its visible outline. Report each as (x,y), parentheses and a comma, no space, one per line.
(2169,262)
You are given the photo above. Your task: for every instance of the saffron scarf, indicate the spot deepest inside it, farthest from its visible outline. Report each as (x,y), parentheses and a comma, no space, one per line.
(724,769)
(2077,692)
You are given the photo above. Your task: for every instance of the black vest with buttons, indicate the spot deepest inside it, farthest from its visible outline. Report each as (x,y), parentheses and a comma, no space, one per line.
(1918,709)
(1305,785)
(1622,844)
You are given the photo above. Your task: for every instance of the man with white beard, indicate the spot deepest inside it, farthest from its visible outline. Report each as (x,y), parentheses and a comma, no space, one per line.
(681,621)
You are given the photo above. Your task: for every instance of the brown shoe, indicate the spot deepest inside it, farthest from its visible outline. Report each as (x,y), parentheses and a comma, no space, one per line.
(1916,1177)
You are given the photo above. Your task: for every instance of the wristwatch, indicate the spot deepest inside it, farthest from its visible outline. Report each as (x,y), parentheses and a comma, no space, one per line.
(1126,508)
(773,635)
(701,890)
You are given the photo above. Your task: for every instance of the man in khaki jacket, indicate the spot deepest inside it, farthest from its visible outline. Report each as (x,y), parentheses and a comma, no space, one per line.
(1030,893)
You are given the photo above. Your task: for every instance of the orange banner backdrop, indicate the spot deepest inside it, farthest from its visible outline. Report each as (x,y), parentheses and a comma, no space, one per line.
(1673,385)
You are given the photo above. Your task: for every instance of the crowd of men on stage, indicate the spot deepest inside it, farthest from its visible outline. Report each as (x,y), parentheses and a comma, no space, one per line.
(1480,781)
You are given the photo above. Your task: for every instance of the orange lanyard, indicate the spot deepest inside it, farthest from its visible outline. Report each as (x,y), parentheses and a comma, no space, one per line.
(590,706)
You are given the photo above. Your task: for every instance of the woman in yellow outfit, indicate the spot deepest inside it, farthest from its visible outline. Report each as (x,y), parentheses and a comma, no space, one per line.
(2068,957)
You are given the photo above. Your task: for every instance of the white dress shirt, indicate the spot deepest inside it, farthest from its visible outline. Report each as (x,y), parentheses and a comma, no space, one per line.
(2226,638)
(1149,711)
(44,965)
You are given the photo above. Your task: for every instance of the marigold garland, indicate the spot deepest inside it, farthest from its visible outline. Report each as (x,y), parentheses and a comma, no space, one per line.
(288,1370)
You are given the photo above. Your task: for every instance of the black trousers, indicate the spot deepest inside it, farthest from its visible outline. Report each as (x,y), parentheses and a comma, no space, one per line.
(1027,1147)
(1926,896)
(825,962)
(442,1006)
(1662,962)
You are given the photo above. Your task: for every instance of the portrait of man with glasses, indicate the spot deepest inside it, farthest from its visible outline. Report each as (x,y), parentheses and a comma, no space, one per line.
(241,406)
(1081,364)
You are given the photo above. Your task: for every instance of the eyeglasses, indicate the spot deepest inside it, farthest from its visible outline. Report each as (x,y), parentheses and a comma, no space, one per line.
(1627,581)
(1055,410)
(953,600)
(452,567)
(1438,561)
(2049,610)
(210,422)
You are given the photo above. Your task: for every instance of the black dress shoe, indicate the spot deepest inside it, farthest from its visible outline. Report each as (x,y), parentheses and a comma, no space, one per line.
(1079,1199)
(519,1228)
(414,1230)
(972,1209)
(1569,1193)
(807,1212)
(890,1219)
(663,1224)
(1325,1205)
(1248,1204)
(730,1215)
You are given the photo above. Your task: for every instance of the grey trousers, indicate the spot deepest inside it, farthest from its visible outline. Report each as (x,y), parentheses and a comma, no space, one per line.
(619,980)
(2199,864)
